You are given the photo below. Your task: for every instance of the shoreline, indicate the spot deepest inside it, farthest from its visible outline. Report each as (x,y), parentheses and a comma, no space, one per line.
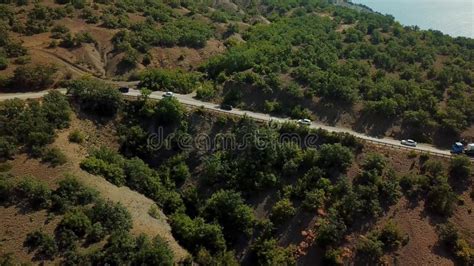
(457,30)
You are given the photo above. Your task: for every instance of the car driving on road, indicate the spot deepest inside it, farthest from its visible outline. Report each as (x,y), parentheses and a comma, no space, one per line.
(305,121)
(124,89)
(227,107)
(408,142)
(168,94)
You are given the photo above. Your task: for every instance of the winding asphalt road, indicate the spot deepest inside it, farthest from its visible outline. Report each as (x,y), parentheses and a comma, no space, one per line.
(189,99)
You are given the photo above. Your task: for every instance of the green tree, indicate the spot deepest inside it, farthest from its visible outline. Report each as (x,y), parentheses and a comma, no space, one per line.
(267,252)
(441,199)
(96,96)
(335,156)
(112,216)
(195,234)
(460,168)
(76,221)
(282,211)
(168,80)
(229,210)
(33,77)
(169,111)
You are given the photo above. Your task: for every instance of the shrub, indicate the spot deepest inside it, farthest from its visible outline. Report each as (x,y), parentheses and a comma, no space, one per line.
(3,63)
(154,252)
(168,80)
(71,193)
(433,167)
(7,147)
(76,136)
(282,211)
(33,77)
(112,216)
(195,234)
(15,49)
(374,162)
(228,209)
(66,239)
(54,156)
(6,188)
(180,173)
(391,236)
(267,252)
(460,168)
(96,96)
(331,231)
(412,155)
(76,221)
(169,111)
(96,233)
(56,109)
(333,257)
(35,192)
(442,200)
(206,91)
(335,156)
(154,212)
(314,199)
(5,167)
(43,243)
(114,173)
(452,239)
(370,248)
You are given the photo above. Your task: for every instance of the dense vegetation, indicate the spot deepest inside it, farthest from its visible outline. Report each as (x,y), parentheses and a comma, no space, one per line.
(208,194)
(86,220)
(302,58)
(31,125)
(311,54)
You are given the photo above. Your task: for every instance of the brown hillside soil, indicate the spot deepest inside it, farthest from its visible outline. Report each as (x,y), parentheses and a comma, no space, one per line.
(138,205)
(16,223)
(183,57)
(410,216)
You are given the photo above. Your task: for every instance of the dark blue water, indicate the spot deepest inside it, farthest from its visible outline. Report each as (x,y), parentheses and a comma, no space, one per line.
(453,17)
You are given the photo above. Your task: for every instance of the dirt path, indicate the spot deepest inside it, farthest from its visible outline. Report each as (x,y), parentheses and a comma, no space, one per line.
(77,69)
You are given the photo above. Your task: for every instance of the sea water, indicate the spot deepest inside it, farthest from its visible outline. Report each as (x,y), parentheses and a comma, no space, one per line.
(453,17)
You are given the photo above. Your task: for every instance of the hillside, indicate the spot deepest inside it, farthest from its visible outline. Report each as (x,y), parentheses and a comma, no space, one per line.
(233,191)
(97,178)
(310,59)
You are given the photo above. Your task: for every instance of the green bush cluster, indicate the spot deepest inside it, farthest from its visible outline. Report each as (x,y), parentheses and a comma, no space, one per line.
(32,77)
(169,80)
(196,234)
(457,245)
(54,157)
(96,96)
(87,219)
(376,243)
(182,32)
(43,243)
(334,66)
(440,197)
(134,173)
(77,136)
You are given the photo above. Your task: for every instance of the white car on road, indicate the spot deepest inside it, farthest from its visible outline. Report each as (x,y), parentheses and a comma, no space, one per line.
(408,142)
(168,94)
(305,121)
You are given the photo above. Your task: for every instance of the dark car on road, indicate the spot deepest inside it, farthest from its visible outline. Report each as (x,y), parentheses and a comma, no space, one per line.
(227,107)
(124,89)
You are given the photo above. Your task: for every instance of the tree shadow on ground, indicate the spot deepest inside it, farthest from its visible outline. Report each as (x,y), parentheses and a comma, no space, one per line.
(373,125)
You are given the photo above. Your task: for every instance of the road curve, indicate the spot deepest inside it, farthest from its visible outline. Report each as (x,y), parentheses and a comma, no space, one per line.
(189,99)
